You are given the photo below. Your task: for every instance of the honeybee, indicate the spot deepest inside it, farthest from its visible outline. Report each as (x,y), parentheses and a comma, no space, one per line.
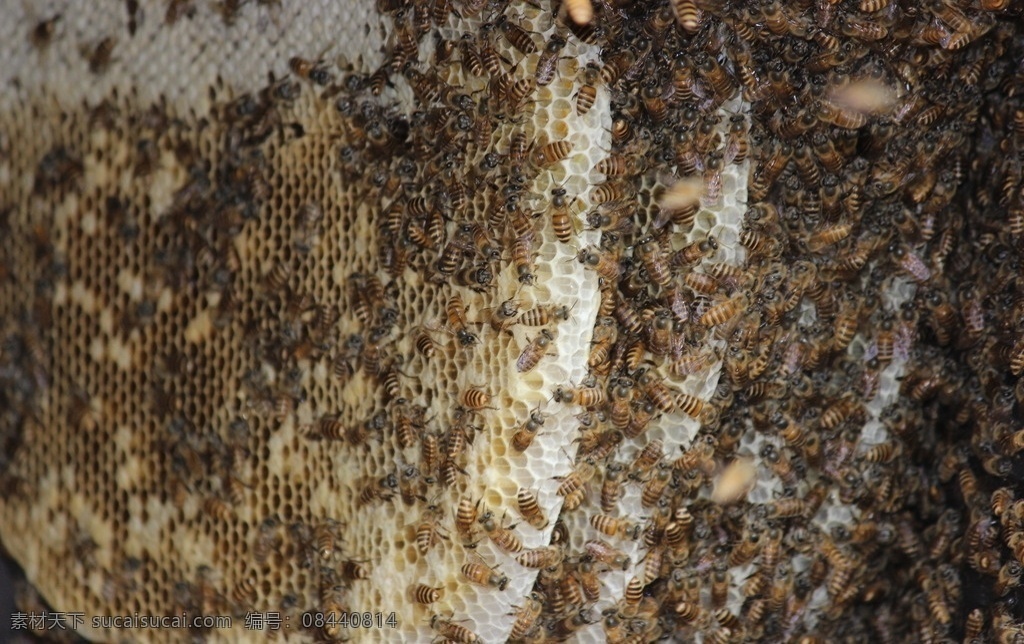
(689,16)
(465,517)
(690,612)
(244,592)
(1001,500)
(561,218)
(616,165)
(545,557)
(654,487)
(583,396)
(424,594)
(974,624)
(587,93)
(534,351)
(524,436)
(268,539)
(655,105)
(724,311)
(455,632)
(313,71)
(503,316)
(429,531)
(551,153)
(547,63)
(787,507)
(522,257)
(780,463)
(217,508)
(682,198)
(502,537)
(689,364)
(603,552)
(605,335)
(544,315)
(430,452)
(475,399)
(456,313)
(695,252)
(517,91)
(654,261)
(324,536)
(454,446)
(647,458)
(641,418)
(580,11)
(530,509)
(720,584)
(611,487)
(839,411)
(828,236)
(378,491)
(526,617)
(616,527)
(657,392)
(734,482)
(481,575)
(737,144)
(575,480)
(620,390)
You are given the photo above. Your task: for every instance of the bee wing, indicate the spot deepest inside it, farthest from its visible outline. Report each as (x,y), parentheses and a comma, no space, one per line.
(523,363)
(732,149)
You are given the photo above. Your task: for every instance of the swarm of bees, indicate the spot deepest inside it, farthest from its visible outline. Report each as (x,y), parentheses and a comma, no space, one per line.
(846,469)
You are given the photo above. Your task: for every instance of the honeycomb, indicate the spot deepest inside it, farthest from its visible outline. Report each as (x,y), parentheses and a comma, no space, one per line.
(251,251)
(300,299)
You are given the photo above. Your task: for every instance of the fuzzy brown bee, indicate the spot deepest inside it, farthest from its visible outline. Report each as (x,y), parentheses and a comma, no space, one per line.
(561,218)
(614,527)
(452,631)
(583,396)
(724,311)
(828,236)
(423,594)
(530,509)
(575,480)
(429,530)
(603,552)
(544,315)
(580,11)
(465,517)
(314,71)
(544,557)
(474,399)
(267,539)
(504,538)
(524,436)
(324,538)
(611,487)
(547,63)
(654,261)
(503,315)
(587,93)
(657,392)
(689,16)
(481,575)
(551,153)
(534,351)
